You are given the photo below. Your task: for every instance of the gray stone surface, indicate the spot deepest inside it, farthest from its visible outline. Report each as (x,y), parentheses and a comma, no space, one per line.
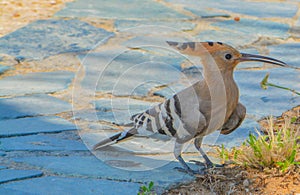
(119,110)
(120,9)
(2,167)
(127,104)
(287,53)
(130,73)
(92,167)
(32,83)
(13,192)
(4,68)
(62,185)
(124,25)
(230,37)
(7,175)
(255,27)
(205,12)
(41,143)
(257,8)
(34,125)
(33,105)
(44,38)
(272,101)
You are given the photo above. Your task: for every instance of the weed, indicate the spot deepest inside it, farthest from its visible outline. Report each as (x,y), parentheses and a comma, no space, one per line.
(264,85)
(277,149)
(147,190)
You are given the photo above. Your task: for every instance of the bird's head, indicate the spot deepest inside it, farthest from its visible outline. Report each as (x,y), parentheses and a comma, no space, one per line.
(225,56)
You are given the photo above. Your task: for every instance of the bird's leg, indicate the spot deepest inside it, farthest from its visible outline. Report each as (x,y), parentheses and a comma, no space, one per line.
(186,168)
(208,163)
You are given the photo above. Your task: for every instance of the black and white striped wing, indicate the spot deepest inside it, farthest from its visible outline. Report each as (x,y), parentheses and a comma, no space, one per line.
(164,118)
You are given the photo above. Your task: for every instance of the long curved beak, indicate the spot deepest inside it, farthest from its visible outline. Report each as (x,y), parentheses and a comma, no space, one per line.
(258,58)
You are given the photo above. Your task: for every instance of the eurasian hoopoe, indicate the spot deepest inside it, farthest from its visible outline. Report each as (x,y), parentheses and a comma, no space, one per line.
(208,105)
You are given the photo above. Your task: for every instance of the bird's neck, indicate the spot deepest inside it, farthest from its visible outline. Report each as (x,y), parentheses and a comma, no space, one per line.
(223,90)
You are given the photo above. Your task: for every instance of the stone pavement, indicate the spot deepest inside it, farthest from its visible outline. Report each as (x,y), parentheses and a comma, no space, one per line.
(70,81)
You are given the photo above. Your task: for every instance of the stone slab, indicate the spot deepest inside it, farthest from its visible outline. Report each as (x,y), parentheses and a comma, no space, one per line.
(205,12)
(34,125)
(41,143)
(255,27)
(130,9)
(129,72)
(44,38)
(226,36)
(13,192)
(63,185)
(32,83)
(3,167)
(252,8)
(33,105)
(4,68)
(7,175)
(120,110)
(272,101)
(124,25)
(289,53)
(111,104)
(90,166)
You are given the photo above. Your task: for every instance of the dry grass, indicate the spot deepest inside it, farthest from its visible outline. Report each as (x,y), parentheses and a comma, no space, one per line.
(266,164)
(278,149)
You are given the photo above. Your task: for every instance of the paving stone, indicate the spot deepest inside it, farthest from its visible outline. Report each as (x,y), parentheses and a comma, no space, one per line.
(272,101)
(263,9)
(127,104)
(94,168)
(130,9)
(41,143)
(7,175)
(255,27)
(230,37)
(32,83)
(4,68)
(45,38)
(13,192)
(97,126)
(205,12)
(34,125)
(3,167)
(25,106)
(120,110)
(257,9)
(58,185)
(119,117)
(131,73)
(289,53)
(124,25)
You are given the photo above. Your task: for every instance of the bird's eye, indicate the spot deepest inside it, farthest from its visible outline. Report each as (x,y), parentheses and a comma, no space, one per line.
(228,56)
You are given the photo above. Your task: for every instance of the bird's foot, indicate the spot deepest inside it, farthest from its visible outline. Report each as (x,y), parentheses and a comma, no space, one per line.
(207,165)
(191,171)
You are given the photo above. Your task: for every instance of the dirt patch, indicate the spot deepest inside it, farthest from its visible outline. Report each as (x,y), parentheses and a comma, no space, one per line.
(237,180)
(16,14)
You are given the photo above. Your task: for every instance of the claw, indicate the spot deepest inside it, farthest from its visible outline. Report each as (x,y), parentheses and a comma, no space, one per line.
(191,171)
(199,163)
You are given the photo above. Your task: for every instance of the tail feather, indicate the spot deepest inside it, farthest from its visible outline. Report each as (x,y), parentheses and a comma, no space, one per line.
(115,138)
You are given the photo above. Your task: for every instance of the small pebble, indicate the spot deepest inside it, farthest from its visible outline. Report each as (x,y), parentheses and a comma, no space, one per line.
(246,183)
(237,19)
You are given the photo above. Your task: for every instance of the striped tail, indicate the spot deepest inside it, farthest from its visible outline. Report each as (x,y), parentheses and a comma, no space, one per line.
(115,138)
